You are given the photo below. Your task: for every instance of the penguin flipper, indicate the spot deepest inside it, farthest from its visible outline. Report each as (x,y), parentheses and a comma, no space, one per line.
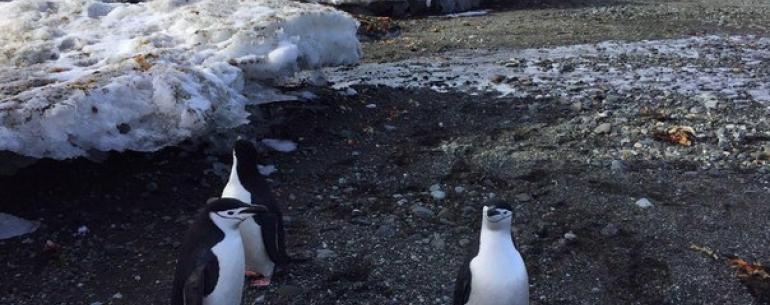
(194,287)
(463,284)
(202,280)
(282,238)
(271,236)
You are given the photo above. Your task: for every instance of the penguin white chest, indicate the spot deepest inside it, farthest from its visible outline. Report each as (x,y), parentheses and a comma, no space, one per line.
(499,279)
(257,259)
(229,287)
(234,189)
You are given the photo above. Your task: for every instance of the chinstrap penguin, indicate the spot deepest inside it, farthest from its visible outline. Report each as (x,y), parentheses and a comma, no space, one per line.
(494,273)
(210,267)
(263,235)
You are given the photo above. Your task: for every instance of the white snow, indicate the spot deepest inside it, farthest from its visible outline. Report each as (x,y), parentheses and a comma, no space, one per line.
(468,14)
(280,145)
(12,226)
(572,72)
(339,2)
(82,75)
(266,170)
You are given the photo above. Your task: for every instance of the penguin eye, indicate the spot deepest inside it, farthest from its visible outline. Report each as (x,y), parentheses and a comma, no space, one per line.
(230,213)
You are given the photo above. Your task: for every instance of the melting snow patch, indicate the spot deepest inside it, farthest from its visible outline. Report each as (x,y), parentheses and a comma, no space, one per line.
(12,226)
(280,145)
(468,14)
(690,66)
(266,170)
(83,75)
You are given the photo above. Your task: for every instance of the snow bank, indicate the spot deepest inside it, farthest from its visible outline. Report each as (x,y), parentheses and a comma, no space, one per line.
(12,226)
(83,75)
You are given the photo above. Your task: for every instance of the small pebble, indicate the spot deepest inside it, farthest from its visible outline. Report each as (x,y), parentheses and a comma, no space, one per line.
(570,236)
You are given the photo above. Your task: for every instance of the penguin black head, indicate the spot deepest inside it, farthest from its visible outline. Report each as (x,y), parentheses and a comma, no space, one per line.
(498,215)
(245,152)
(229,212)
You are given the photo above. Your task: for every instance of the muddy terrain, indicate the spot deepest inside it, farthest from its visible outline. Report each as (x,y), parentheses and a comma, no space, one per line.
(598,219)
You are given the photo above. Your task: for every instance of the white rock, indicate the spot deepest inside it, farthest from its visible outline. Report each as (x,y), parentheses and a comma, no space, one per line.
(82,231)
(570,236)
(438,195)
(644,203)
(266,170)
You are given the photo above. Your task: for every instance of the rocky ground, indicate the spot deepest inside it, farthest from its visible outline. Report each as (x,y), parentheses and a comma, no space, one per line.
(614,203)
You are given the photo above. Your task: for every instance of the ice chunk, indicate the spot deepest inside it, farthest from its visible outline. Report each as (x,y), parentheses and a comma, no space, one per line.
(12,226)
(84,75)
(266,170)
(280,145)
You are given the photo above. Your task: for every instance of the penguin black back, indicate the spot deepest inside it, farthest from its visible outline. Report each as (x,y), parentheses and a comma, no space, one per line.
(257,185)
(196,252)
(250,177)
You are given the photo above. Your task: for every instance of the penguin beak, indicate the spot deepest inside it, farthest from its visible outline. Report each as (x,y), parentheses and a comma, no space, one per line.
(254,209)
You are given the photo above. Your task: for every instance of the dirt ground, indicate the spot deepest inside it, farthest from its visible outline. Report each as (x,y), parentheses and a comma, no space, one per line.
(539,23)
(356,191)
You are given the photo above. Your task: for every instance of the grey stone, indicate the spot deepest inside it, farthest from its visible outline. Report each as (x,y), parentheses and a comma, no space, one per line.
(610,230)
(576,106)
(603,128)
(523,197)
(438,242)
(618,166)
(422,212)
(386,231)
(438,195)
(325,253)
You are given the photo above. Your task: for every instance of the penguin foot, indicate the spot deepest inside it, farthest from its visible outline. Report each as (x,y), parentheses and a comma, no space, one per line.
(256,279)
(252,274)
(260,282)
